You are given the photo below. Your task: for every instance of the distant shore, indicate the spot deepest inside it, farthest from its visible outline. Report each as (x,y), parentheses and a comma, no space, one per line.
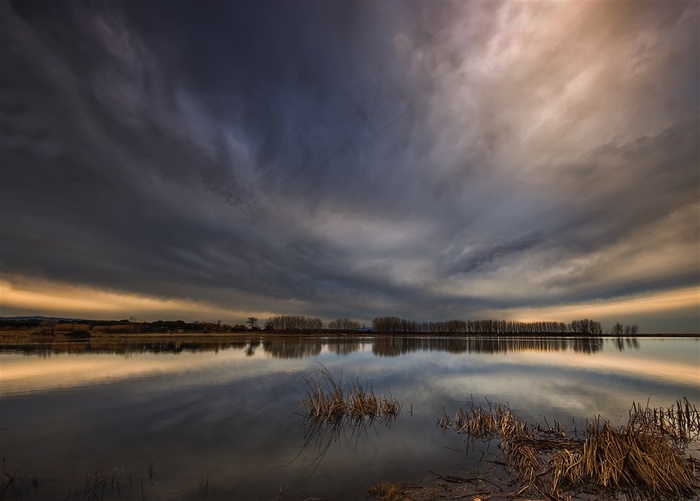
(29,336)
(38,328)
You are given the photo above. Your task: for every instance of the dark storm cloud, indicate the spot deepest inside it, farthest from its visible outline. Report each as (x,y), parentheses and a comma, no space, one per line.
(351,159)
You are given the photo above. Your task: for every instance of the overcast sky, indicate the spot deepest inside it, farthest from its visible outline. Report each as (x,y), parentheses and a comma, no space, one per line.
(214,160)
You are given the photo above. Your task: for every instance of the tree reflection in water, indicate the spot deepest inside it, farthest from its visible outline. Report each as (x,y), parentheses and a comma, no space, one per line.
(290,346)
(126,346)
(390,346)
(344,345)
(626,343)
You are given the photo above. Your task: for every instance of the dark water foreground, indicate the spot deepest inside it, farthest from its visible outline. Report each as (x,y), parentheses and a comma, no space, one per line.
(218,420)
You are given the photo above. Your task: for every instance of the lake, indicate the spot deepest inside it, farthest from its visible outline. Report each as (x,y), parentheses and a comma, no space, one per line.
(219,420)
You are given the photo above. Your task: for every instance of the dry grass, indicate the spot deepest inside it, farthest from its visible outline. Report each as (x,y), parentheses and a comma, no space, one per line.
(681,422)
(391,491)
(331,409)
(643,460)
(628,458)
(485,424)
(388,491)
(328,401)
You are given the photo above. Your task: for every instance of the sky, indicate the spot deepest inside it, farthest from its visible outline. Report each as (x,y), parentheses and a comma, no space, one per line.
(212,160)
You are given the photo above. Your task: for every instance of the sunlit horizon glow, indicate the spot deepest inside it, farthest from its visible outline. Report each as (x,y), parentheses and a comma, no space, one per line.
(90,304)
(70,301)
(667,303)
(519,160)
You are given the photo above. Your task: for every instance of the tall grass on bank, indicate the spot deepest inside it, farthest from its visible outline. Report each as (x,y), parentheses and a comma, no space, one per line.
(643,460)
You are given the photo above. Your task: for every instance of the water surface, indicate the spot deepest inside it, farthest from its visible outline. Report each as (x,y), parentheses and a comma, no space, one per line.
(218,420)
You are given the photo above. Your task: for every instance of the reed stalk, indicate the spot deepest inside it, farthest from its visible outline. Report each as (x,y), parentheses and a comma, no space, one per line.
(645,459)
(328,401)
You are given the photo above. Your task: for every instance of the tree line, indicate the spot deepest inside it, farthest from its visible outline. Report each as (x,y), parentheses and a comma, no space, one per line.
(304,323)
(624,330)
(293,323)
(496,327)
(308,324)
(393,324)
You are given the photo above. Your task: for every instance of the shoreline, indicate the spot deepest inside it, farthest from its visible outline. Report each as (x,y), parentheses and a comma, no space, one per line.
(14,336)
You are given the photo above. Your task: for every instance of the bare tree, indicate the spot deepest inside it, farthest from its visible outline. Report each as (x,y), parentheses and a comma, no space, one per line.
(253,322)
(344,324)
(293,323)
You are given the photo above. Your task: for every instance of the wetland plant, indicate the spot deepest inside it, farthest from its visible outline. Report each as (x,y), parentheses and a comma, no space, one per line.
(331,409)
(643,460)
(328,401)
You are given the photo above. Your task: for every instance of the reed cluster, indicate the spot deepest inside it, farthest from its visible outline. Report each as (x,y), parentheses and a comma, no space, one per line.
(331,410)
(485,424)
(329,401)
(629,458)
(644,460)
(681,422)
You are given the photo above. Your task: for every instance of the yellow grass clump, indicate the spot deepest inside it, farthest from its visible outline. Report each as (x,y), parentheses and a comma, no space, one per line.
(644,459)
(328,401)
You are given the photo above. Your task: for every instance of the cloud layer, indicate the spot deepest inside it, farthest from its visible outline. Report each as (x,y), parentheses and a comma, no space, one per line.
(352,159)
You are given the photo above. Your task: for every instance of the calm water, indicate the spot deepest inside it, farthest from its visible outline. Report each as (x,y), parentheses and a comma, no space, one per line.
(218,421)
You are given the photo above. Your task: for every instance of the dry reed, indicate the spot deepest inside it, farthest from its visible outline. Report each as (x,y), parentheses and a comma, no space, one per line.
(331,409)
(388,491)
(328,401)
(644,459)
(681,422)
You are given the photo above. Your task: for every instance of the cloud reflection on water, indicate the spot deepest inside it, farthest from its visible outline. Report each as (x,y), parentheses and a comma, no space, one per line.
(229,410)
(73,364)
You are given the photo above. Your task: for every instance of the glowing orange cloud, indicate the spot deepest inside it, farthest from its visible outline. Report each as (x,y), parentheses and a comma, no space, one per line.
(654,302)
(69,300)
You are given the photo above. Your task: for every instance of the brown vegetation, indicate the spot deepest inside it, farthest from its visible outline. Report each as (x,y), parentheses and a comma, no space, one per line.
(644,459)
(331,409)
(328,401)
(390,491)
